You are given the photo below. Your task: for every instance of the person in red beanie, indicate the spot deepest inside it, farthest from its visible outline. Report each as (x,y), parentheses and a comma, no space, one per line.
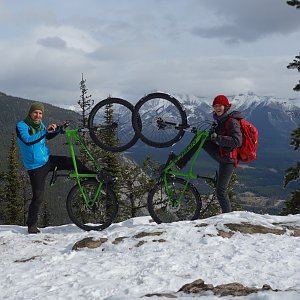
(220,145)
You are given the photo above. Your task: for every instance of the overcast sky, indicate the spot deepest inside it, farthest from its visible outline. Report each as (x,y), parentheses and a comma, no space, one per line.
(127,48)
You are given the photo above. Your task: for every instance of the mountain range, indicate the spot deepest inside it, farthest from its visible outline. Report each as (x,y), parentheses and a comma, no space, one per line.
(275,119)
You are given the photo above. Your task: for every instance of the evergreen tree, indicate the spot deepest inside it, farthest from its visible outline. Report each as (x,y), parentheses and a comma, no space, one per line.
(135,186)
(85,102)
(295,3)
(2,197)
(13,189)
(111,162)
(292,206)
(295,65)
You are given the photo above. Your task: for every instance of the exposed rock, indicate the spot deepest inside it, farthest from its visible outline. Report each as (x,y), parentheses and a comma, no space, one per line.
(143,234)
(140,243)
(89,242)
(295,230)
(159,241)
(225,234)
(196,287)
(252,229)
(201,225)
(26,259)
(231,289)
(119,240)
(161,295)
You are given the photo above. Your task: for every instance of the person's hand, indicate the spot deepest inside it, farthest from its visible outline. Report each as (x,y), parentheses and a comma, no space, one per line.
(213,138)
(52,127)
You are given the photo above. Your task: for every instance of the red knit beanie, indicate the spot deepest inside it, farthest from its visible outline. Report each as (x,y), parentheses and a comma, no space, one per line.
(221,99)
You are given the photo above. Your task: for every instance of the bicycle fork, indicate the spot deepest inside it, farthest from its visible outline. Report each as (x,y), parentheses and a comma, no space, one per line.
(174,198)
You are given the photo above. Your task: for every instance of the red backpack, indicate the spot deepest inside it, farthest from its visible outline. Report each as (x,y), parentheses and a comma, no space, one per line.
(247,152)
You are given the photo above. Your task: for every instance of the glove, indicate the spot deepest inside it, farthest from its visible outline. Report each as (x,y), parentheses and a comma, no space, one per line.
(63,127)
(214,137)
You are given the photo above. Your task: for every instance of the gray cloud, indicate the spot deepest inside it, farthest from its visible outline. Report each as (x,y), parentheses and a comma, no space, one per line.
(237,21)
(52,42)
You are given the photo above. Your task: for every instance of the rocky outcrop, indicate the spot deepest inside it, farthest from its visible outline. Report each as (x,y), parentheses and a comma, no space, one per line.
(200,288)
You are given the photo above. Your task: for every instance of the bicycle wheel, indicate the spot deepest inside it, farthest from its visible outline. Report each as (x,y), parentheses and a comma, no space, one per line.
(110,125)
(162,207)
(96,216)
(158,119)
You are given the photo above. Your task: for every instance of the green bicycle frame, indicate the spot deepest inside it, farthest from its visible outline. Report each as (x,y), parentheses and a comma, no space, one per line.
(200,138)
(72,136)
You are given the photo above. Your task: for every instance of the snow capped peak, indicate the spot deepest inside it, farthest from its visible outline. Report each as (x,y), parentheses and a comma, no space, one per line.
(241,101)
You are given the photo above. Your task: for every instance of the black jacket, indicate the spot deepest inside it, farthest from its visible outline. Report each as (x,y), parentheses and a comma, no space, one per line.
(229,133)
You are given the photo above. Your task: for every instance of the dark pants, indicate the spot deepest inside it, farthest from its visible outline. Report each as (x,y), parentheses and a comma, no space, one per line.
(38,179)
(224,176)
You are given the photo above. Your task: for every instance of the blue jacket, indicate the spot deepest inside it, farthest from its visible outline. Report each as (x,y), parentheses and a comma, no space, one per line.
(33,148)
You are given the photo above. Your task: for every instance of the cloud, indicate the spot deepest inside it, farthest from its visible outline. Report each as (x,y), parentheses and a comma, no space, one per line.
(139,46)
(52,42)
(248,21)
(64,36)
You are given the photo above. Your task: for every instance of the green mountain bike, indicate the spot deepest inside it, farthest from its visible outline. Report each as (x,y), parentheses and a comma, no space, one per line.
(92,203)
(160,121)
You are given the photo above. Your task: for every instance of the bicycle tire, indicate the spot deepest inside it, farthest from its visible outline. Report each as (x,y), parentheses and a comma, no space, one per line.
(110,125)
(100,215)
(160,207)
(147,112)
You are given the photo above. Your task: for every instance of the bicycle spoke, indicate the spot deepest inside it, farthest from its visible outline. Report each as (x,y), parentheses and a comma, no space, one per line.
(180,202)
(96,213)
(159,114)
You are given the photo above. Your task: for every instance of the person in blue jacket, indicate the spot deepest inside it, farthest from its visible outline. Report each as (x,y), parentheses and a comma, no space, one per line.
(31,136)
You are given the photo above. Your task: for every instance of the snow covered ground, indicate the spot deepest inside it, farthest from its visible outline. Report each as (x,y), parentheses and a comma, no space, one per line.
(150,258)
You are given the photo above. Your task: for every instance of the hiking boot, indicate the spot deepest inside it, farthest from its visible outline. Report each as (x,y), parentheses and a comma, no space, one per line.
(33,229)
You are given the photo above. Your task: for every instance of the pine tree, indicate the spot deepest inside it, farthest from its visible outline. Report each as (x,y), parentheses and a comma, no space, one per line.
(13,188)
(295,3)
(2,197)
(292,206)
(295,65)
(111,162)
(135,185)
(85,102)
